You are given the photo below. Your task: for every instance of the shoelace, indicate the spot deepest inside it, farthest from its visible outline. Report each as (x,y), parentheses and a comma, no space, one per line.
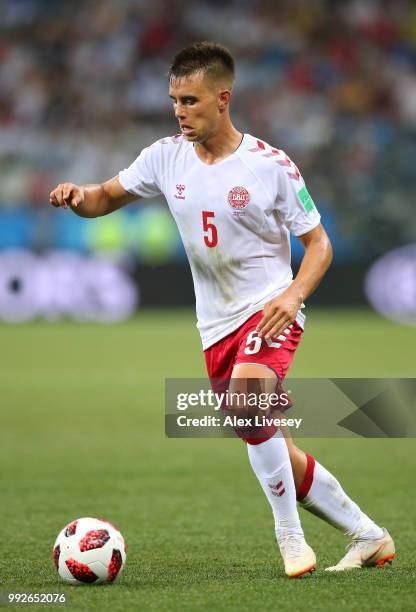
(350,548)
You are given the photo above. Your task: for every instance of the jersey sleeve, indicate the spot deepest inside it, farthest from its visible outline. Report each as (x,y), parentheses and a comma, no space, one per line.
(141,177)
(293,202)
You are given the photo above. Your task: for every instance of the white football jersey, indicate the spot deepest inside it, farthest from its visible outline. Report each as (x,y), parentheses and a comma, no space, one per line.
(234,218)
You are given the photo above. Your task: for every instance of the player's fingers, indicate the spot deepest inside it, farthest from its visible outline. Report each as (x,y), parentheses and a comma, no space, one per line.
(261,323)
(278,328)
(67,192)
(269,324)
(268,313)
(56,196)
(76,198)
(76,195)
(53,200)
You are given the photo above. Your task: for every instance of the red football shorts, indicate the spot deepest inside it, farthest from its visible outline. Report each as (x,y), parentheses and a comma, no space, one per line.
(245,346)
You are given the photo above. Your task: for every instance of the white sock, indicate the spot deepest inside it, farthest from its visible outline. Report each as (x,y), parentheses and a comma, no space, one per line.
(328,500)
(271,464)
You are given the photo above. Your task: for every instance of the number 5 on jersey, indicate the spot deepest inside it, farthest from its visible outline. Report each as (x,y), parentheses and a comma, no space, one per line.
(210,230)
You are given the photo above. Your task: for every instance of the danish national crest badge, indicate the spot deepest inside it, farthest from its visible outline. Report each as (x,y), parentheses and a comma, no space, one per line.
(238,198)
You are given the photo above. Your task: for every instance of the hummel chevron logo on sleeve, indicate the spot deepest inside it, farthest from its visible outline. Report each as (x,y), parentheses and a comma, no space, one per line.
(260,147)
(281,158)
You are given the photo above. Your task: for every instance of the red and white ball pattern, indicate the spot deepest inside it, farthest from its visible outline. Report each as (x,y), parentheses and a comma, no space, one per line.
(89,551)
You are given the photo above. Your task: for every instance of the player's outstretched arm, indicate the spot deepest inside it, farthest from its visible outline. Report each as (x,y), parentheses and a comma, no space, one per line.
(281,311)
(91,200)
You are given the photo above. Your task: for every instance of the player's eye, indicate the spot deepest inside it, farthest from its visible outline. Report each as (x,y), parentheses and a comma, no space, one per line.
(184,101)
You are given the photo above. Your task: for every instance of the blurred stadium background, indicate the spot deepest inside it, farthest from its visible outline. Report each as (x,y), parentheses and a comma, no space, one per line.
(83,89)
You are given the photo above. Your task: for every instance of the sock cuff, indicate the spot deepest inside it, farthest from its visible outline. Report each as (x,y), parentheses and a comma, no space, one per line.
(304,487)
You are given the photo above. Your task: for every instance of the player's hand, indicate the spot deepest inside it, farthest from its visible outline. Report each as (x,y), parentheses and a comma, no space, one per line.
(67,194)
(278,314)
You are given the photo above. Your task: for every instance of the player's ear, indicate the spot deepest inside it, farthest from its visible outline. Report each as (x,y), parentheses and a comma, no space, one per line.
(224,99)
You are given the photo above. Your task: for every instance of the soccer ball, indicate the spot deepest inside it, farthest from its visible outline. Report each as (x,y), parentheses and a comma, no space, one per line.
(89,551)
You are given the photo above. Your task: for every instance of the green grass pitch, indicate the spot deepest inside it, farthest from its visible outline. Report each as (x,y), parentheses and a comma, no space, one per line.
(82,433)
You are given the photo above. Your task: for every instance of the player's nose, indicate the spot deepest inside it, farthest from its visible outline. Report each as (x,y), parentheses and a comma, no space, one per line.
(179,112)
